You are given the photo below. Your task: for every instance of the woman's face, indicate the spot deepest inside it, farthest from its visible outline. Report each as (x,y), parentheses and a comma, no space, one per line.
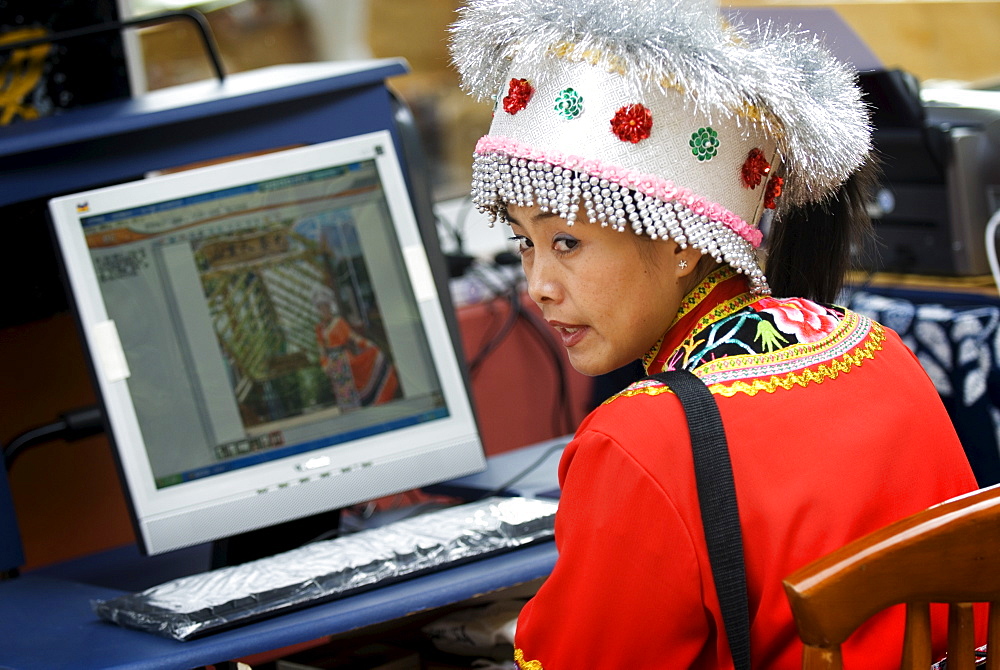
(608,299)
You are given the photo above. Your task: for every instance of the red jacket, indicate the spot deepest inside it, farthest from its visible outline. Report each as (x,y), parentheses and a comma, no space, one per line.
(834,430)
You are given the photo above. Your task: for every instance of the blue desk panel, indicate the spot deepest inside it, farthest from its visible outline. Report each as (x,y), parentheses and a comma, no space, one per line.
(275,107)
(48,623)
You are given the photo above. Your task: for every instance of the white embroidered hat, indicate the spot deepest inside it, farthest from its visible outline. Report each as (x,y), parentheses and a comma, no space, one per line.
(657,117)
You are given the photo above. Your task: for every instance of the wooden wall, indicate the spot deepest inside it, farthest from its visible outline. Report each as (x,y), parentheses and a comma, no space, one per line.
(932,40)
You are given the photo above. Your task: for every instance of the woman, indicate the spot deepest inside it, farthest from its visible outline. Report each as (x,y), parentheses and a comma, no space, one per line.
(360,373)
(657,119)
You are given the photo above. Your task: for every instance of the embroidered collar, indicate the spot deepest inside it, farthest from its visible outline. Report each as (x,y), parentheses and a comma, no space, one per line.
(720,294)
(738,343)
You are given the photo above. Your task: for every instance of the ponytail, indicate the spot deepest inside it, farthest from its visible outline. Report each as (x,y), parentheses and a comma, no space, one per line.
(810,247)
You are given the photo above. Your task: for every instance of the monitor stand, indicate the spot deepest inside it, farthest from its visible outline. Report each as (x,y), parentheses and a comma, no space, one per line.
(273,540)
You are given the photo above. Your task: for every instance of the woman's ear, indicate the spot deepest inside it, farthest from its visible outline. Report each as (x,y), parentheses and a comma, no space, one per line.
(686,260)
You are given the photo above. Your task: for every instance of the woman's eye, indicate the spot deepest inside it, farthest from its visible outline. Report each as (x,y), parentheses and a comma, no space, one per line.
(565,243)
(522,243)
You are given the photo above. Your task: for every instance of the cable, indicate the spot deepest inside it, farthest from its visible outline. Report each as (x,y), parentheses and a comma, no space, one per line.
(493,336)
(497,339)
(72,425)
(563,421)
(991,246)
(513,297)
(562,418)
(543,333)
(196,17)
(526,471)
(456,229)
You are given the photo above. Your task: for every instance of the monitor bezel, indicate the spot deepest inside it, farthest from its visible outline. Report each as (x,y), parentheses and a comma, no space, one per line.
(195,512)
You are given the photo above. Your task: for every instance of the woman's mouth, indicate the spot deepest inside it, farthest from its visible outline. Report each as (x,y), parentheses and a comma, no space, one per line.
(569,334)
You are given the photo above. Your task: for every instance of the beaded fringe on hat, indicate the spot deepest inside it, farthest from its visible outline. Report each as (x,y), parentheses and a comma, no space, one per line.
(498,179)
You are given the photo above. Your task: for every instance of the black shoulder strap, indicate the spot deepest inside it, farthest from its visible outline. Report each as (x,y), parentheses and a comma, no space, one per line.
(717,497)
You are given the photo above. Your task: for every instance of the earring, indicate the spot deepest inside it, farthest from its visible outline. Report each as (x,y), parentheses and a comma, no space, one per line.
(682,264)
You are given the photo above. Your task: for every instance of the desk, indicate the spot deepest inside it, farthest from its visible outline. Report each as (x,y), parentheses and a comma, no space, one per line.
(47,621)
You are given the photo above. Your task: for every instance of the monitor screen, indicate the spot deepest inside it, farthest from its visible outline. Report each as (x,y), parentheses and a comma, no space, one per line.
(267,339)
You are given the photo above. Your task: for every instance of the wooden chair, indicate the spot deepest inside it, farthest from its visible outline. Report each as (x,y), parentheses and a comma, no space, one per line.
(949,553)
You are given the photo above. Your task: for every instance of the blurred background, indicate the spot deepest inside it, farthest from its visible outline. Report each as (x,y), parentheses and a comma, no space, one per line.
(953,42)
(935,44)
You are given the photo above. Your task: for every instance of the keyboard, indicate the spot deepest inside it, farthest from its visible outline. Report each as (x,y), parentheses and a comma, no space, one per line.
(220,599)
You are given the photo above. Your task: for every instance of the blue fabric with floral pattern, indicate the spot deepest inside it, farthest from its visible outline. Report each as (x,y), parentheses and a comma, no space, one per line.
(956,338)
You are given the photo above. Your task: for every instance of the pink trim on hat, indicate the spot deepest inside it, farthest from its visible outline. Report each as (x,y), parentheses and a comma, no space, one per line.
(651,185)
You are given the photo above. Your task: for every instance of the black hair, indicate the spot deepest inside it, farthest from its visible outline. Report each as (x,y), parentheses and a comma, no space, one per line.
(810,248)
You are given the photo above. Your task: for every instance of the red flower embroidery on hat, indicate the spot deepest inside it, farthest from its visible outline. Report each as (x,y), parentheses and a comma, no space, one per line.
(518,93)
(632,123)
(773,191)
(755,168)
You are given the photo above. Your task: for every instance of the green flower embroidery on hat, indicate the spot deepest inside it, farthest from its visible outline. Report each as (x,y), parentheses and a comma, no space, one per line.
(704,144)
(569,104)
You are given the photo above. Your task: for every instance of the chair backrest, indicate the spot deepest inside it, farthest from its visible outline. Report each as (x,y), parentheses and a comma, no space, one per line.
(949,553)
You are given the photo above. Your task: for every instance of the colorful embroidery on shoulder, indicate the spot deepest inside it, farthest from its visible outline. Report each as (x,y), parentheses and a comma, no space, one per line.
(855,340)
(707,334)
(523,664)
(721,311)
(641,387)
(747,325)
(753,350)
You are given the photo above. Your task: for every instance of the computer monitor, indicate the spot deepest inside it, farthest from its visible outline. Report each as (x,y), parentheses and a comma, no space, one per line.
(267,339)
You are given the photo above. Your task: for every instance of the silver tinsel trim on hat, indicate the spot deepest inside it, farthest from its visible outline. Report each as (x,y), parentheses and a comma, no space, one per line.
(779,79)
(508,179)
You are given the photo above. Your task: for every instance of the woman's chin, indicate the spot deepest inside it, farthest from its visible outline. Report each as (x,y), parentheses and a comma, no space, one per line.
(590,365)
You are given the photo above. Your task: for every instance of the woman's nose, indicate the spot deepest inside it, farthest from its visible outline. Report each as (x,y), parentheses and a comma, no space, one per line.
(543,282)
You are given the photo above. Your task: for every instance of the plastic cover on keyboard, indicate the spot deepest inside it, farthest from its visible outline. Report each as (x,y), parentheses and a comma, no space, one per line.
(207,602)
